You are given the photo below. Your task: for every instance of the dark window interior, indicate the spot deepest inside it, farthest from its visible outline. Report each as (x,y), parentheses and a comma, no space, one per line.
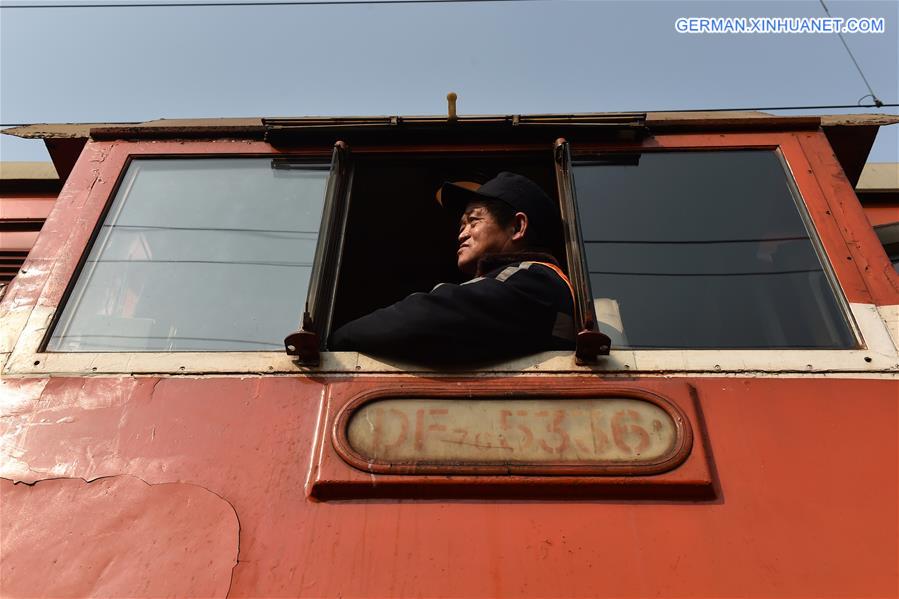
(889,237)
(703,250)
(398,240)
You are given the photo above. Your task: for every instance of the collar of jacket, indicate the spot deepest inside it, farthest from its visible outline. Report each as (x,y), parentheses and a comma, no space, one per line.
(491,262)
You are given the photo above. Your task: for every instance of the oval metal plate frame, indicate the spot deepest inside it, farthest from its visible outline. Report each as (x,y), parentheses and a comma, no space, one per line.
(681,448)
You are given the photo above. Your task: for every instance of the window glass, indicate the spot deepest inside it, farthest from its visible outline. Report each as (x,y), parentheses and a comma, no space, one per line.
(703,250)
(198,254)
(889,237)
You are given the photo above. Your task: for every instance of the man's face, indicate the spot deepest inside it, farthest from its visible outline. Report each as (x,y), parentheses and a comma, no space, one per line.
(480,234)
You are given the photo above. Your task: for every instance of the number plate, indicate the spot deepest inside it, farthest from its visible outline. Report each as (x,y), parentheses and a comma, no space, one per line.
(600,431)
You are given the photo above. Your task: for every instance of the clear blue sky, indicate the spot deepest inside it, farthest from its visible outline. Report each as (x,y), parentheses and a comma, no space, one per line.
(133,64)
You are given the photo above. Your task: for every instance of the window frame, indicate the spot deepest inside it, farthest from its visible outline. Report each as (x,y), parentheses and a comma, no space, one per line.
(31,305)
(842,304)
(117,194)
(307,342)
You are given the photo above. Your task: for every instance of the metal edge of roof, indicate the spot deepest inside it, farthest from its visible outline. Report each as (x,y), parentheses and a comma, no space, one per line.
(256,126)
(856,120)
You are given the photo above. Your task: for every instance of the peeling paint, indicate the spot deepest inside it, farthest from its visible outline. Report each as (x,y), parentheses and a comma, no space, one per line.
(18,398)
(116,537)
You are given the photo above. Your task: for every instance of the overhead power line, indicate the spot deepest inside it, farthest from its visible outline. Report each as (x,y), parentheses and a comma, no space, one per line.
(246,3)
(871,93)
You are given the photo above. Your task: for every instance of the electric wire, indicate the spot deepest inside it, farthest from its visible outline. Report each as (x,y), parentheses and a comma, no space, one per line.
(245,3)
(240,262)
(871,93)
(706,274)
(696,241)
(71,338)
(225,229)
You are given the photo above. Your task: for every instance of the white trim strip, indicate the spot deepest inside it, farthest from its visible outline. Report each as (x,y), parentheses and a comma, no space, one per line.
(879,358)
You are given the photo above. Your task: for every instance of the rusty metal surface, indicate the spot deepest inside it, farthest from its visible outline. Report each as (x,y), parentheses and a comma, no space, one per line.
(859,120)
(851,135)
(50,131)
(83,130)
(215,126)
(115,537)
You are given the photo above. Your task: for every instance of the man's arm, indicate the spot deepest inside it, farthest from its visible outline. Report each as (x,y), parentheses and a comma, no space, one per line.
(486,318)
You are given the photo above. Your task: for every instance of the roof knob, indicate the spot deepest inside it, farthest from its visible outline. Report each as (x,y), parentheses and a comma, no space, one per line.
(451,106)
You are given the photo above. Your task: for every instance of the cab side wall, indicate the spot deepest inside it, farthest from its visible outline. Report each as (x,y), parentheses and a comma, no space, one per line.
(805,466)
(806,501)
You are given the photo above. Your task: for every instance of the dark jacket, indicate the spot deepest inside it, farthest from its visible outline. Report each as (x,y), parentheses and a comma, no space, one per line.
(514,307)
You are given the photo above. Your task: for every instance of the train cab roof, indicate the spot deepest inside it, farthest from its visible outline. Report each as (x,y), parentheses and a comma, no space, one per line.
(850,136)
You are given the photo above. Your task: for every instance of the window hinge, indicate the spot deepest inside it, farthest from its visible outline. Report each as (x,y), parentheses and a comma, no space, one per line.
(304,344)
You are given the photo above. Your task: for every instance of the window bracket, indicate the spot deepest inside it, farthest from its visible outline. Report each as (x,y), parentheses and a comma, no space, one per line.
(308,341)
(590,342)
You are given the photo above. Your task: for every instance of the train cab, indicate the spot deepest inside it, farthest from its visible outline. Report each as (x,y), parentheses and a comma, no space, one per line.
(174,421)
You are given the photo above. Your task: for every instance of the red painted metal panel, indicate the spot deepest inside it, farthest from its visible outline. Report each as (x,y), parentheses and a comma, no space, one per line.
(115,537)
(26,206)
(862,267)
(807,468)
(336,477)
(882,214)
(806,507)
(18,240)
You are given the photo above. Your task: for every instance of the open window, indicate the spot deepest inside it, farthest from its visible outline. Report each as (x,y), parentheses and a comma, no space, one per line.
(309,340)
(398,239)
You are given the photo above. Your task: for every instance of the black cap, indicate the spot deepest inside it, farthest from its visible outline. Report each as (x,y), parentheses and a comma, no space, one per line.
(519,192)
